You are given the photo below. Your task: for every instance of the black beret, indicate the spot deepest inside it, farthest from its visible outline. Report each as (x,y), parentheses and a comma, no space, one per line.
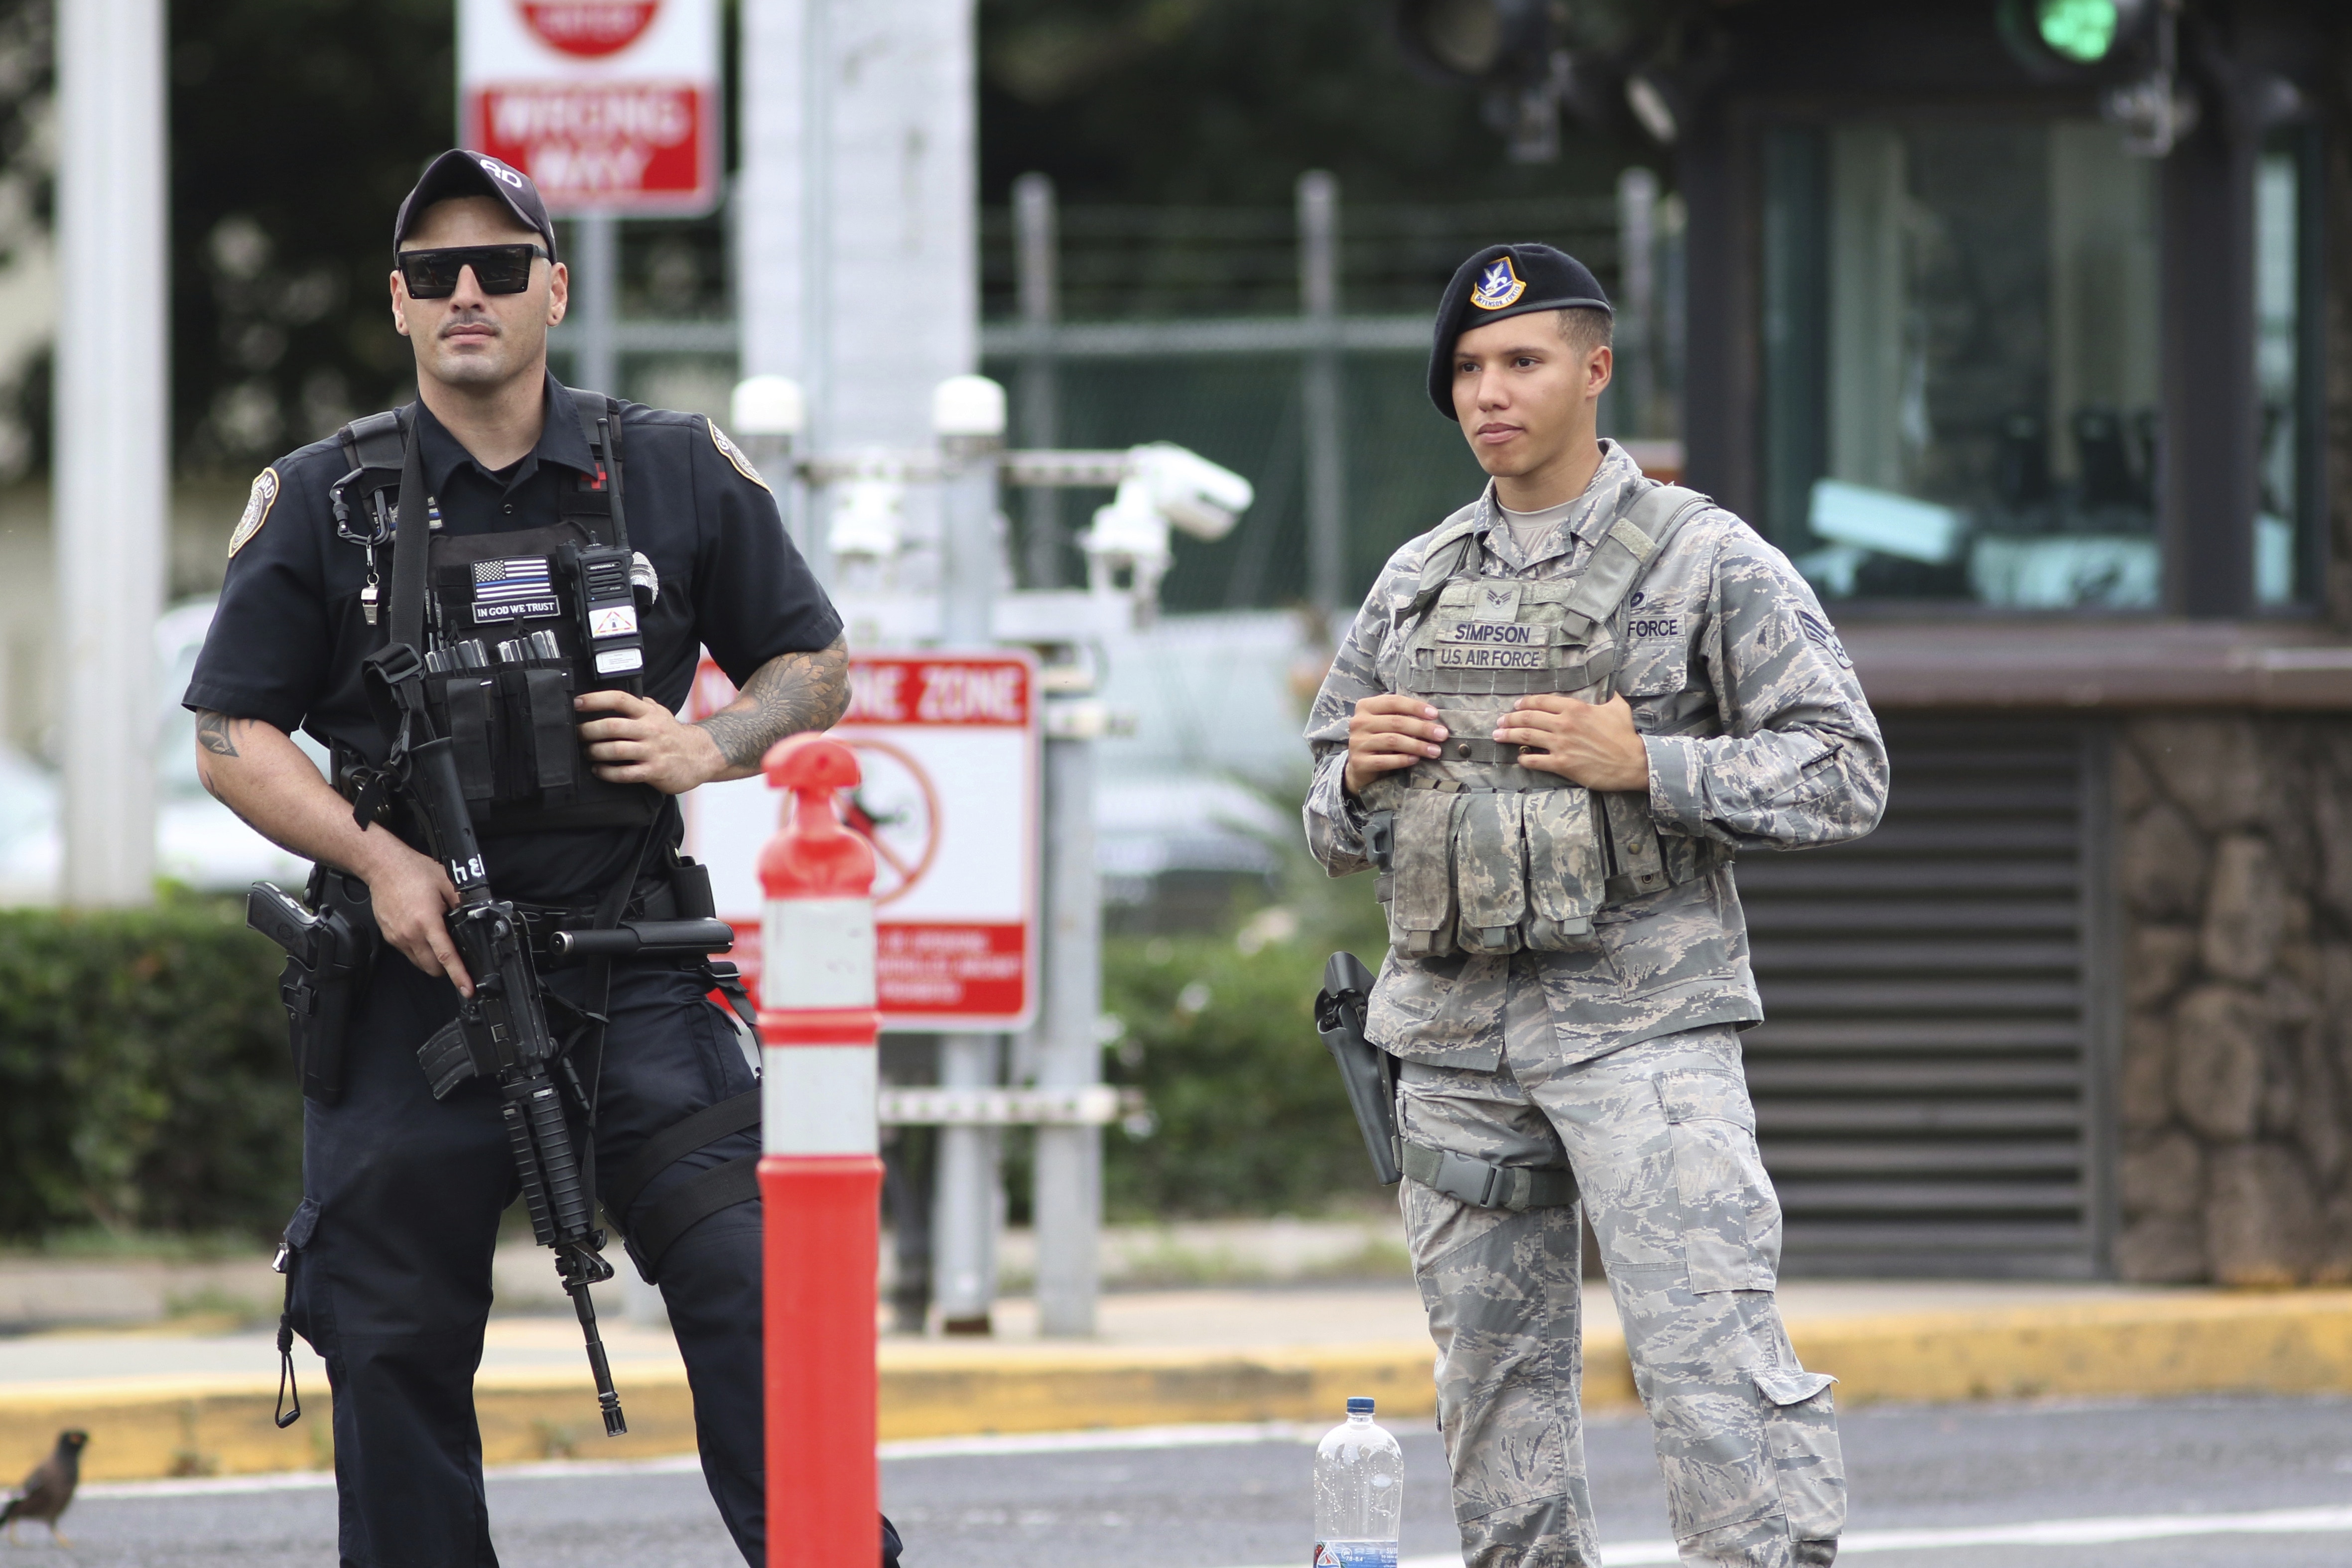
(1505,280)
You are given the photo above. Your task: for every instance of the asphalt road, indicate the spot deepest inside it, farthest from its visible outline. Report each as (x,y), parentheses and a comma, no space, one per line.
(1933,1487)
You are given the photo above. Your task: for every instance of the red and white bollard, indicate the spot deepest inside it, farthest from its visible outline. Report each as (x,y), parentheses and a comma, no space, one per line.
(820,1168)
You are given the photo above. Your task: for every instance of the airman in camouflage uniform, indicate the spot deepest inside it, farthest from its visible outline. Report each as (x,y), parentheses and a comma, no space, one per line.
(1609,1052)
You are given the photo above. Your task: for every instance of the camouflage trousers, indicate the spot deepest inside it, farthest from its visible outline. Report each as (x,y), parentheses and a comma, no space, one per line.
(1661,1138)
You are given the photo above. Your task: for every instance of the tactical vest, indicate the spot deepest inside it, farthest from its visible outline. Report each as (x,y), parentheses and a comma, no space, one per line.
(512,625)
(1477,854)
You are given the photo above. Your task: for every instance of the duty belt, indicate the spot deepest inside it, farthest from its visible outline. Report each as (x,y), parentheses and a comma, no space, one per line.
(1484,1184)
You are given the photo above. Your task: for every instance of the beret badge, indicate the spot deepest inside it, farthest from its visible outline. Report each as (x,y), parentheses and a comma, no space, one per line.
(1500,286)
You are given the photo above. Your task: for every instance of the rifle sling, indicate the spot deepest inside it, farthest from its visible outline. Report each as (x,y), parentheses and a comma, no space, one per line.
(410,549)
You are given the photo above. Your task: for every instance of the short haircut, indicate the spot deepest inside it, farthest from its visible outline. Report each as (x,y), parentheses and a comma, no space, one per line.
(1584,329)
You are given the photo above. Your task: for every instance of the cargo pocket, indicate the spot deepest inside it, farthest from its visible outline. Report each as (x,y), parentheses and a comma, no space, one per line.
(1800,1431)
(1566,874)
(1730,1221)
(1490,875)
(1421,914)
(1814,779)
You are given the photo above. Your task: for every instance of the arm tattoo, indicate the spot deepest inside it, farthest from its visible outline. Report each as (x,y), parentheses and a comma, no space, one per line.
(212,733)
(790,693)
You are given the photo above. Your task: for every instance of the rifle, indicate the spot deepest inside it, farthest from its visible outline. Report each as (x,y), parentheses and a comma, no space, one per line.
(500,1031)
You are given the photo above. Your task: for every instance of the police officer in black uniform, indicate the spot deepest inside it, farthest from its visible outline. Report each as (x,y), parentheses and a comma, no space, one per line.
(572,756)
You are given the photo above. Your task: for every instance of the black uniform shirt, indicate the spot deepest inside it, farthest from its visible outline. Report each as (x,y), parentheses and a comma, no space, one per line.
(287,641)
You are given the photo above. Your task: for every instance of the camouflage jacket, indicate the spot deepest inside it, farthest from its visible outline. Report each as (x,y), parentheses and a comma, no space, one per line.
(1758,738)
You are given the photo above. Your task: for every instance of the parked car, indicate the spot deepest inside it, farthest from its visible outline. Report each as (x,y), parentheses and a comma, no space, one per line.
(198,841)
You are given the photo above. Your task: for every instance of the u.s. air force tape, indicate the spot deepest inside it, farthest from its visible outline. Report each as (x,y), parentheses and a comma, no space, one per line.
(727,450)
(258,502)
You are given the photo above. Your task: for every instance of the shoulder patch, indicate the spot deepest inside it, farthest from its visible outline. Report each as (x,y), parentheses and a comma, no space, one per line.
(727,450)
(258,502)
(1817,632)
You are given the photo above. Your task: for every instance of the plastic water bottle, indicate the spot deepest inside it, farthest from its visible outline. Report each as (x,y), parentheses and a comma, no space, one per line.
(1359,1493)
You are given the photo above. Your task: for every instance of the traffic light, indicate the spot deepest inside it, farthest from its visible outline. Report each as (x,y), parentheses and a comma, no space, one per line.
(2074,40)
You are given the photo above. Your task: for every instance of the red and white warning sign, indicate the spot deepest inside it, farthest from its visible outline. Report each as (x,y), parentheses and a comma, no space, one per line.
(948,749)
(608,105)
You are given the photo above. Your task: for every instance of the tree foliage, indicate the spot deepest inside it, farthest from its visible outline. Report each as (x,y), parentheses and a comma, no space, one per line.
(297,126)
(1227,102)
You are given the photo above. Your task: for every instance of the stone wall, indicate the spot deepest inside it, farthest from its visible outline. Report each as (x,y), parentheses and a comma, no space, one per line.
(2234,875)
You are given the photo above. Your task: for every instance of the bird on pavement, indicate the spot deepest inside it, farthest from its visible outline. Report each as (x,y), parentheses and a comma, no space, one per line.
(49,1488)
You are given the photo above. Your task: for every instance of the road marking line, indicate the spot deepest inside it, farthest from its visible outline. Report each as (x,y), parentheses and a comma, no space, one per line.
(312,1480)
(2041,1533)
(1194,1436)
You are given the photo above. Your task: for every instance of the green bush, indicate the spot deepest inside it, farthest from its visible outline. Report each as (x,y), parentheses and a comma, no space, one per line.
(1245,1111)
(144,1085)
(144,1076)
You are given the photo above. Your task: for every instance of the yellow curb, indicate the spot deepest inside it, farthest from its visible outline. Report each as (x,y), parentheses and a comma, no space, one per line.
(2208,1342)
(2211,1343)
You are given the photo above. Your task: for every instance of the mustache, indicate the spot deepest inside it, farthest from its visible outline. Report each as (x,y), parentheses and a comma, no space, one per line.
(471,321)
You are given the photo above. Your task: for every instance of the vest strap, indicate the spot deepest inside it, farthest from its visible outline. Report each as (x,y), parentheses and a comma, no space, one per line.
(1447,557)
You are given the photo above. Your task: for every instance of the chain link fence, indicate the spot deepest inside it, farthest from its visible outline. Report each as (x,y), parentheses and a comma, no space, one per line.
(1204,325)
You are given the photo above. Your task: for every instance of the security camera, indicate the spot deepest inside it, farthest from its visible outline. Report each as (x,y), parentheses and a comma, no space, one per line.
(866,521)
(1196,495)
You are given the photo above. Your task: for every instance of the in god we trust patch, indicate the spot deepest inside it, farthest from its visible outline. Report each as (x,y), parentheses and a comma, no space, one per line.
(727,450)
(258,502)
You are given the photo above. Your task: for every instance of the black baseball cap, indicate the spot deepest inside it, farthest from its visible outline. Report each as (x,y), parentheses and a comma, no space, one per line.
(458,173)
(1500,281)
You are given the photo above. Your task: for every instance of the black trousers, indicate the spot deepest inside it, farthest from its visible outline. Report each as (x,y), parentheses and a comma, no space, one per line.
(391,1267)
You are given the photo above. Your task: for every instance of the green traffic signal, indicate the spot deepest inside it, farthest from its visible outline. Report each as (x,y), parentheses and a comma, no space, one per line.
(2078,30)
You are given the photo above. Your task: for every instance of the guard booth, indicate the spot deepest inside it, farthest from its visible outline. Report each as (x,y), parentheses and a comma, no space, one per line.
(2008,322)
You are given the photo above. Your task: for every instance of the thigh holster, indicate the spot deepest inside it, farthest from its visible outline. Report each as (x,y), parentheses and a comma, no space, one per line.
(1483,1184)
(649,1234)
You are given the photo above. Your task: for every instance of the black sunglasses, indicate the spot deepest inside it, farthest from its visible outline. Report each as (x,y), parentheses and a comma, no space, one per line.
(498,269)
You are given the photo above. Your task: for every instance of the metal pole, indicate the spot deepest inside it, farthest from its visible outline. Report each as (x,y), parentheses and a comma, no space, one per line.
(1068,1191)
(968,416)
(816,262)
(1036,227)
(970,1179)
(1326,440)
(1637,290)
(595,269)
(113,438)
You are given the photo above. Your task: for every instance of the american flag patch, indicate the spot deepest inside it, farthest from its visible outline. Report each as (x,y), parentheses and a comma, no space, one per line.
(517,589)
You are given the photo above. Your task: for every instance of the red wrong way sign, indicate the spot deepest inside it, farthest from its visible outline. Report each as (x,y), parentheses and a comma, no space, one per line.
(947,746)
(608,105)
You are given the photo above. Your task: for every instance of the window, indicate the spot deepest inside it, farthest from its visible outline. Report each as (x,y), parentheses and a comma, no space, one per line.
(2287,524)
(1960,347)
